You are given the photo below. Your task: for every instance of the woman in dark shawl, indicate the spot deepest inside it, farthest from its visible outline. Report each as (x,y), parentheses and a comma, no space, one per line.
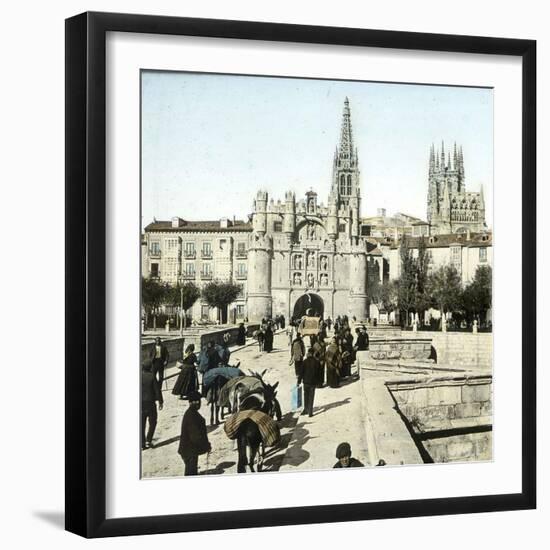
(187,380)
(333,364)
(268,339)
(241,335)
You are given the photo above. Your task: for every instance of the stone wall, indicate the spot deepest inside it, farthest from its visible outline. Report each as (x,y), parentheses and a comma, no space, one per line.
(197,337)
(461,349)
(464,447)
(451,418)
(445,404)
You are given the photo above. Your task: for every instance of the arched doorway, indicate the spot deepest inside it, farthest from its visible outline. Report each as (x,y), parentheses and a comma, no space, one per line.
(308,301)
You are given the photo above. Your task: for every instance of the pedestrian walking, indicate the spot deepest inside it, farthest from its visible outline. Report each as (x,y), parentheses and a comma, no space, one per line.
(212,355)
(150,394)
(260,337)
(241,335)
(333,364)
(297,354)
(268,338)
(159,359)
(310,378)
(345,460)
(193,438)
(319,350)
(187,380)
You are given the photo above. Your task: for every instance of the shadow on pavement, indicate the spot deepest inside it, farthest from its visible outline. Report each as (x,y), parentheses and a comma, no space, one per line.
(219,469)
(323,408)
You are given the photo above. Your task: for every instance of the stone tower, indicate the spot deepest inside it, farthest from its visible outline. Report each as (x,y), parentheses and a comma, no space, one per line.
(450,208)
(260,249)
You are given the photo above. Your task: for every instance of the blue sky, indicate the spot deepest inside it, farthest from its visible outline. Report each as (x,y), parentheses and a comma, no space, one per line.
(209,142)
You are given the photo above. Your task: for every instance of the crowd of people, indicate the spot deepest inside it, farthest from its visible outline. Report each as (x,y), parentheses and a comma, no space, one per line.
(324,363)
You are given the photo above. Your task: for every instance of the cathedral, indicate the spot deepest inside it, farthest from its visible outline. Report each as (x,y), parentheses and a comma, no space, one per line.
(302,254)
(452,209)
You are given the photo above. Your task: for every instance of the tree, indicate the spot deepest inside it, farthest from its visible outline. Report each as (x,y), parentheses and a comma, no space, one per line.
(153,295)
(422,299)
(220,294)
(478,295)
(445,289)
(183,295)
(387,295)
(406,284)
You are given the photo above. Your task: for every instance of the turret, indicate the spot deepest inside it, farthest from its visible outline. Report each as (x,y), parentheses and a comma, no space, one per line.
(259,219)
(332,218)
(289,223)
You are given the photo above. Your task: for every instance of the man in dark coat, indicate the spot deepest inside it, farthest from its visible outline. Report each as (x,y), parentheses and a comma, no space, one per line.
(150,394)
(310,378)
(345,460)
(297,353)
(212,355)
(362,341)
(159,358)
(193,438)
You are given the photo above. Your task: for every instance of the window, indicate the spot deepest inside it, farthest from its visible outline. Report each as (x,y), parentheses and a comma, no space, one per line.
(365,230)
(348,188)
(154,270)
(171,245)
(171,268)
(189,270)
(207,249)
(342,184)
(482,254)
(241,270)
(278,227)
(205,312)
(155,248)
(342,228)
(241,249)
(456,256)
(206,269)
(189,249)
(240,311)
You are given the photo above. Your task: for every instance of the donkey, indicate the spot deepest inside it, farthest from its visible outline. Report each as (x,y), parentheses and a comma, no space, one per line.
(213,399)
(251,392)
(248,435)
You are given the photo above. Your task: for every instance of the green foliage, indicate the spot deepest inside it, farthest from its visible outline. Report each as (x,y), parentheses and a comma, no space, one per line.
(153,294)
(406,284)
(387,295)
(190,292)
(445,289)
(220,294)
(477,296)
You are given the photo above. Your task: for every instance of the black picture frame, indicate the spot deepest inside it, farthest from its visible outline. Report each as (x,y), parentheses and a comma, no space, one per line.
(86,280)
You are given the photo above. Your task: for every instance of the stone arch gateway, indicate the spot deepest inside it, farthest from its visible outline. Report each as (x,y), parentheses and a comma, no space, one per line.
(308,301)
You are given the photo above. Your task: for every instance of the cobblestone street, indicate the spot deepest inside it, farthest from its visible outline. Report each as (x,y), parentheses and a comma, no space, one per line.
(306,443)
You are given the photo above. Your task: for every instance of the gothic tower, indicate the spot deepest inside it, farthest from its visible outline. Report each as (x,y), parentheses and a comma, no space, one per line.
(345,171)
(260,251)
(450,208)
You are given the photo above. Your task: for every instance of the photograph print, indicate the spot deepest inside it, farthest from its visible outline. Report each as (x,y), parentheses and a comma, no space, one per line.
(316,274)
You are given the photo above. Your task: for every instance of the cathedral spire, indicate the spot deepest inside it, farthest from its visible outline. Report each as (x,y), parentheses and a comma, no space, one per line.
(432,159)
(346,135)
(442,164)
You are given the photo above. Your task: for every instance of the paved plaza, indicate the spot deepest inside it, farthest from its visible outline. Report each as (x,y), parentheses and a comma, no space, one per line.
(306,443)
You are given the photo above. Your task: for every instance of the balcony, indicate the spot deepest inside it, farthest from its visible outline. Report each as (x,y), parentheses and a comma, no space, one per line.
(154,253)
(189,254)
(189,276)
(206,254)
(241,254)
(206,276)
(241,275)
